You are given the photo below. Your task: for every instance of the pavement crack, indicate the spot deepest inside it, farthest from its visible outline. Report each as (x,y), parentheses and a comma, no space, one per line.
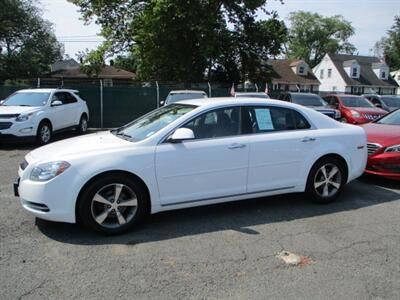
(32,290)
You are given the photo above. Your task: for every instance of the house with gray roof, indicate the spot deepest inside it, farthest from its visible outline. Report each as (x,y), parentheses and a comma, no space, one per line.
(354,74)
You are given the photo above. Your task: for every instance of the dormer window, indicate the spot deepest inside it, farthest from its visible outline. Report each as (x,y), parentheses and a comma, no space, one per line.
(354,73)
(299,67)
(352,68)
(381,70)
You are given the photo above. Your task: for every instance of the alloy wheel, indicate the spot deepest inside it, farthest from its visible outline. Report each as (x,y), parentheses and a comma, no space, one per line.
(114,205)
(83,125)
(327,180)
(45,134)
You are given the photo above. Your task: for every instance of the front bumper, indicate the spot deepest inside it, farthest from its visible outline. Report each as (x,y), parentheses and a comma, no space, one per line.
(384,164)
(18,131)
(49,200)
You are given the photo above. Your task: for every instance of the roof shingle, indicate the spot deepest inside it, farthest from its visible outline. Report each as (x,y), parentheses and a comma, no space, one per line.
(283,72)
(367,75)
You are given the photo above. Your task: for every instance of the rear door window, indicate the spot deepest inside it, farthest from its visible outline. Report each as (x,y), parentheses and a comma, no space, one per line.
(69,98)
(262,119)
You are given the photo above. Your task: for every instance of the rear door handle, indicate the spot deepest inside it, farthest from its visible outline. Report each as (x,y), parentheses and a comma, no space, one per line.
(236,146)
(308,139)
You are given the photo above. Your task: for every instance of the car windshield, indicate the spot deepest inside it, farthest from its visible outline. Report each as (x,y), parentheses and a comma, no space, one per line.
(391,101)
(354,101)
(151,123)
(27,99)
(308,100)
(260,95)
(172,98)
(390,119)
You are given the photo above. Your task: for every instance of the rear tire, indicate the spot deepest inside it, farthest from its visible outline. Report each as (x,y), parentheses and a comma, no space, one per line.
(326,180)
(83,125)
(113,204)
(44,133)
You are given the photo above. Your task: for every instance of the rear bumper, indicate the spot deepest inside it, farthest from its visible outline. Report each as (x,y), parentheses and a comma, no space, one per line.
(385,165)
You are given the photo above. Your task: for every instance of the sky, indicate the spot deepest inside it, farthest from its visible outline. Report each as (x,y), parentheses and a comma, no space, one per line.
(370,18)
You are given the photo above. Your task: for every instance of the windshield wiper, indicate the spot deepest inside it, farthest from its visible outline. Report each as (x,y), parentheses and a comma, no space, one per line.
(124,136)
(25,105)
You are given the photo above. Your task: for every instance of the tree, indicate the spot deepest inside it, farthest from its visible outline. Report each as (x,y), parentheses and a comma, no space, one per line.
(188,40)
(92,62)
(126,62)
(311,36)
(390,45)
(28,45)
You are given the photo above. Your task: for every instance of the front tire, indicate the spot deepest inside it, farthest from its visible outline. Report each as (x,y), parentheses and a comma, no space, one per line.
(326,180)
(112,204)
(44,133)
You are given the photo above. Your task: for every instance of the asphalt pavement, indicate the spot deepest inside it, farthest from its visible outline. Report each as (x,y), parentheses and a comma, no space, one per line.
(349,249)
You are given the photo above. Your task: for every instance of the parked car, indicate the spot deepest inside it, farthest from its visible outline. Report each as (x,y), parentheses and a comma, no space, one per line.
(312,101)
(354,109)
(384,146)
(38,113)
(179,95)
(191,153)
(386,102)
(252,95)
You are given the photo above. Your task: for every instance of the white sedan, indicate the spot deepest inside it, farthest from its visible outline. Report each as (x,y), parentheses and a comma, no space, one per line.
(192,153)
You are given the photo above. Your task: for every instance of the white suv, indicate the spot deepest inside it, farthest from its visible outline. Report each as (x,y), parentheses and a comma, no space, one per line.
(38,113)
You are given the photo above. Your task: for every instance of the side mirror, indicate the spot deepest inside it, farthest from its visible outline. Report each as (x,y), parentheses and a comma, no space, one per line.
(181,134)
(162,103)
(56,103)
(1,102)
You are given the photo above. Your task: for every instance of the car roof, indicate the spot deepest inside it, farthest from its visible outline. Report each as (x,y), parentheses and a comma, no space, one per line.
(218,101)
(302,94)
(47,90)
(187,92)
(250,93)
(346,95)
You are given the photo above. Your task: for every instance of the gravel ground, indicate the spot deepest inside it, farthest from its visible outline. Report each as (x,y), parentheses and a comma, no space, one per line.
(349,249)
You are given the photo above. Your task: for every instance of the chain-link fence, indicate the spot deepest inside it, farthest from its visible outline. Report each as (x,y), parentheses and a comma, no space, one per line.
(115,103)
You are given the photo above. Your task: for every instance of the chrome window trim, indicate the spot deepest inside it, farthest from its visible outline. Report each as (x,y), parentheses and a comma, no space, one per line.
(166,136)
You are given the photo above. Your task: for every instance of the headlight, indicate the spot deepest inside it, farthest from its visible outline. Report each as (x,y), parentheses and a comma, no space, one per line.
(355,114)
(47,171)
(23,118)
(393,149)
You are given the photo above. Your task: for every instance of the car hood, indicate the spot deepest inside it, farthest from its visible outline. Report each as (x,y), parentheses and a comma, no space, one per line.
(16,110)
(369,110)
(385,135)
(95,143)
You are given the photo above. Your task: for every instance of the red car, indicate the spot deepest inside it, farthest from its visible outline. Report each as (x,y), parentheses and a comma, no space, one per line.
(384,146)
(355,109)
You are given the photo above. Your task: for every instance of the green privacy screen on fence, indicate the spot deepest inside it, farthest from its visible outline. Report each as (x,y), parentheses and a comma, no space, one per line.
(121,103)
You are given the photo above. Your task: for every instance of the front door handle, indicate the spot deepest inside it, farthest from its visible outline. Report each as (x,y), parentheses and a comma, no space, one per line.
(308,139)
(236,146)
